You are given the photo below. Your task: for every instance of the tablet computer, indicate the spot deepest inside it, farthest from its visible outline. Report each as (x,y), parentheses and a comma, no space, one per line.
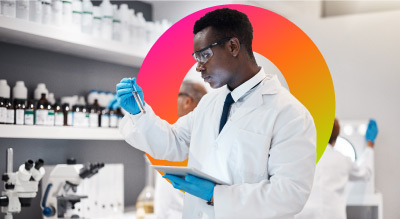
(183,171)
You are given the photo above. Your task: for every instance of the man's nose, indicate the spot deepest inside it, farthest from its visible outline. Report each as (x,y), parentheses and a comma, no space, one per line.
(200,67)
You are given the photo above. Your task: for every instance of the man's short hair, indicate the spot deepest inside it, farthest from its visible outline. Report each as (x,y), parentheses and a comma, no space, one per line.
(228,23)
(195,89)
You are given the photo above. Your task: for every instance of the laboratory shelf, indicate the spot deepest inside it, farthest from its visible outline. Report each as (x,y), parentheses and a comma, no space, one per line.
(26,33)
(62,132)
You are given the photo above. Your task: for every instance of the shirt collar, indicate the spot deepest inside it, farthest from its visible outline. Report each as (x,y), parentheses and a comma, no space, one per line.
(249,84)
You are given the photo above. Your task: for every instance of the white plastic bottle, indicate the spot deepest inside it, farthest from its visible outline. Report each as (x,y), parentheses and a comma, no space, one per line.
(92,96)
(116,25)
(40,89)
(87,16)
(97,17)
(125,23)
(46,12)
(132,27)
(142,42)
(56,12)
(106,22)
(77,15)
(67,13)
(23,9)
(102,99)
(35,11)
(9,8)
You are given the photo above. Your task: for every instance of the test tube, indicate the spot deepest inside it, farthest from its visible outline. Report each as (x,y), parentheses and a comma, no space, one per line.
(138,99)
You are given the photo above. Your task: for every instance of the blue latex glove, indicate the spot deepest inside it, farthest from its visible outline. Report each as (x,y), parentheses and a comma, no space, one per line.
(193,185)
(372,131)
(125,96)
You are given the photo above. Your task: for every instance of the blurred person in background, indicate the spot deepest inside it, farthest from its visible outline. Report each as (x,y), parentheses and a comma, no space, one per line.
(334,170)
(168,202)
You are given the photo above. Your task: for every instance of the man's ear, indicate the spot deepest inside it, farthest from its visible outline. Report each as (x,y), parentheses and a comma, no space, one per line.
(187,102)
(234,46)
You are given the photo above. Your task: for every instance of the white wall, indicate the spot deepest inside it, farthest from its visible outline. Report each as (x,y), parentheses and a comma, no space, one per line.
(363,55)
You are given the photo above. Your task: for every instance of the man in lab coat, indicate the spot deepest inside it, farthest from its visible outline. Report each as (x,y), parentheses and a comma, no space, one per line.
(334,170)
(168,202)
(251,133)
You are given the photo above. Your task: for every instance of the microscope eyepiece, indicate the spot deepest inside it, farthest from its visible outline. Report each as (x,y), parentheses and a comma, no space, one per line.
(39,163)
(28,165)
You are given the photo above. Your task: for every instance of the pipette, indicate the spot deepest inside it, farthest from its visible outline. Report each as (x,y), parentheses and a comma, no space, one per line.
(138,99)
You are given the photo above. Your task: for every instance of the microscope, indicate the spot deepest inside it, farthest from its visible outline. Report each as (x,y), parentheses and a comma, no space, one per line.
(20,187)
(60,196)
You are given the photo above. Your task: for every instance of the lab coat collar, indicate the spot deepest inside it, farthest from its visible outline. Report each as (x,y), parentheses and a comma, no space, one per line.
(270,85)
(248,85)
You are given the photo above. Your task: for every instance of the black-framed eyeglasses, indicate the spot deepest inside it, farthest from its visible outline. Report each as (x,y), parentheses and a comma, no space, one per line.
(203,55)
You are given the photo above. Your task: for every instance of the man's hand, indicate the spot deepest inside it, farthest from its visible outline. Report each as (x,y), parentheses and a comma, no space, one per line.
(371,133)
(125,96)
(193,185)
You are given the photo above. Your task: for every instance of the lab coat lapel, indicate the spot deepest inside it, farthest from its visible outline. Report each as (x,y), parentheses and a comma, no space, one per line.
(269,86)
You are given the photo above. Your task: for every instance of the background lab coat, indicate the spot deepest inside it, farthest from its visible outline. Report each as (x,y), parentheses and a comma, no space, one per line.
(266,150)
(327,199)
(168,201)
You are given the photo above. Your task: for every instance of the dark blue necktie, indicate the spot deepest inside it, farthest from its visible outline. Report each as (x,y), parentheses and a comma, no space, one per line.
(227,105)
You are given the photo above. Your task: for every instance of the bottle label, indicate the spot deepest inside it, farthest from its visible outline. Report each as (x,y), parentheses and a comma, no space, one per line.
(19,116)
(3,115)
(105,121)
(50,118)
(80,119)
(70,117)
(10,116)
(41,117)
(59,119)
(29,117)
(113,121)
(94,120)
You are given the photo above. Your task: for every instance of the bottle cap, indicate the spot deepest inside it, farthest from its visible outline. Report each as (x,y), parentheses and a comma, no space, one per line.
(4,89)
(20,91)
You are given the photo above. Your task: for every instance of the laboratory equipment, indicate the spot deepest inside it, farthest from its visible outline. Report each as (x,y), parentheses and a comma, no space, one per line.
(56,13)
(29,113)
(35,11)
(19,111)
(3,111)
(4,89)
(145,201)
(60,195)
(104,191)
(138,99)
(23,9)
(360,194)
(10,112)
(46,12)
(87,16)
(41,113)
(20,91)
(107,18)
(40,89)
(20,187)
(76,15)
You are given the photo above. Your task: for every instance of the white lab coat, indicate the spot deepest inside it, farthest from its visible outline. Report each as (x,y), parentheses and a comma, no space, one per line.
(334,170)
(168,202)
(266,150)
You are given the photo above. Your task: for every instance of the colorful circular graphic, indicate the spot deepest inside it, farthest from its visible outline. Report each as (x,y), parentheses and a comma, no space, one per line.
(275,37)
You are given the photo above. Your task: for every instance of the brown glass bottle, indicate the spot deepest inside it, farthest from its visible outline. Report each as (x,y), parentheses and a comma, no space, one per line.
(3,111)
(67,114)
(58,114)
(10,112)
(41,113)
(19,106)
(94,115)
(29,117)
